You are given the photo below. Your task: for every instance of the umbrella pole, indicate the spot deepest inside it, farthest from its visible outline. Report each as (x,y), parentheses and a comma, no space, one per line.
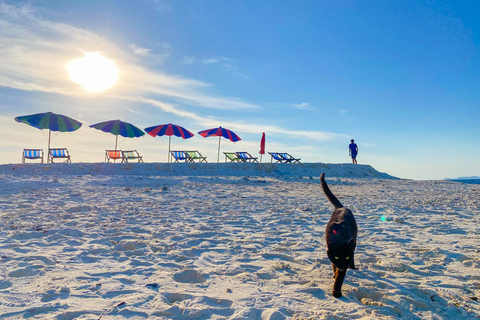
(116,140)
(48,151)
(169,156)
(261,157)
(218,155)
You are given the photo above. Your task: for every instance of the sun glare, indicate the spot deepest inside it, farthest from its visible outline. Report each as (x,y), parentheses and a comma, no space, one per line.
(93,72)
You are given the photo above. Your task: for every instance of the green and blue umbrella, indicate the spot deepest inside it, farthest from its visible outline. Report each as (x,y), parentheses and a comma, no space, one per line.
(50,121)
(118,127)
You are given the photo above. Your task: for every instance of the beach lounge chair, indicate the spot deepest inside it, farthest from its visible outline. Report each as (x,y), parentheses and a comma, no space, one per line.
(131,155)
(232,157)
(246,157)
(180,156)
(32,154)
(113,155)
(195,155)
(276,156)
(59,153)
(288,158)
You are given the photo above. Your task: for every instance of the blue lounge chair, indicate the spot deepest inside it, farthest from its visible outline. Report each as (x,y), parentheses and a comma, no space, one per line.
(276,156)
(180,156)
(287,158)
(246,157)
(59,153)
(32,154)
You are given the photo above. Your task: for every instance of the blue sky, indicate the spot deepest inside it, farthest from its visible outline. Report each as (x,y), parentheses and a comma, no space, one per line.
(400,77)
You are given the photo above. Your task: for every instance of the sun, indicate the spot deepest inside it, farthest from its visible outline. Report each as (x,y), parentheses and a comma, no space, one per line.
(93,72)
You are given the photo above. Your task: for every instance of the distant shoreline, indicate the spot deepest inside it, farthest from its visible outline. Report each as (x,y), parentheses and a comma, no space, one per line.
(468,181)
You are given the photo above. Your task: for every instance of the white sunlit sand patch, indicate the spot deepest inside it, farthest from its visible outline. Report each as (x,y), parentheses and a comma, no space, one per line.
(233,241)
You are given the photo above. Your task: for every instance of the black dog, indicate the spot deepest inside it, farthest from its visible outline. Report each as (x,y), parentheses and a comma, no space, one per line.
(341,236)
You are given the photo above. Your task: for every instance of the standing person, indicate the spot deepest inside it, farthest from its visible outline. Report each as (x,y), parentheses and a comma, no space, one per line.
(353,151)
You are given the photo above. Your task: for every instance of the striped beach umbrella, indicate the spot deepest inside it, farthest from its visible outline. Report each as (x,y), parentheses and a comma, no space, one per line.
(118,127)
(169,130)
(50,121)
(220,132)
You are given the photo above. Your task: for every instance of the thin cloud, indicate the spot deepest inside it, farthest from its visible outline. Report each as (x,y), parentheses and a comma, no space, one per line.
(207,61)
(149,56)
(303,106)
(144,52)
(227,64)
(210,61)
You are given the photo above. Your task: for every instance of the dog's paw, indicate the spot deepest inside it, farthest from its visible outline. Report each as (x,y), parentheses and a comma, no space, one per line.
(337,294)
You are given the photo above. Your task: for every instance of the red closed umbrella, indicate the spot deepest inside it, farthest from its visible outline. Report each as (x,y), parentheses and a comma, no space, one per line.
(262,146)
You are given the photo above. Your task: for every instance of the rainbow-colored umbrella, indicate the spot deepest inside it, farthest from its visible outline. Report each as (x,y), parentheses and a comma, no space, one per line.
(169,130)
(220,132)
(118,127)
(50,121)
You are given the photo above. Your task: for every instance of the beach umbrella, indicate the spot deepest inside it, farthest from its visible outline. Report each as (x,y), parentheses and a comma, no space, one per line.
(169,130)
(262,146)
(118,127)
(50,121)
(220,132)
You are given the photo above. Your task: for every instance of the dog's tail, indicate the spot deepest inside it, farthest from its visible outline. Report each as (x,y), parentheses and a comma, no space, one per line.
(329,193)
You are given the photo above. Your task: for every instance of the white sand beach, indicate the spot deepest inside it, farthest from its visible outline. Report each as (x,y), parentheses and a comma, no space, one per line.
(231,241)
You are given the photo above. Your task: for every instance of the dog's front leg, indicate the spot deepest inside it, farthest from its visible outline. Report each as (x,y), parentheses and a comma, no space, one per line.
(337,285)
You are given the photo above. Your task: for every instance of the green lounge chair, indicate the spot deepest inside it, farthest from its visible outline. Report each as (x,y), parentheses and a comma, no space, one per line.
(195,155)
(232,157)
(131,155)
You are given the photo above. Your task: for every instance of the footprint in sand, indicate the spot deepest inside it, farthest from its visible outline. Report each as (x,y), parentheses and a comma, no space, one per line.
(5,284)
(189,276)
(17,299)
(173,297)
(50,295)
(26,272)
(369,297)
